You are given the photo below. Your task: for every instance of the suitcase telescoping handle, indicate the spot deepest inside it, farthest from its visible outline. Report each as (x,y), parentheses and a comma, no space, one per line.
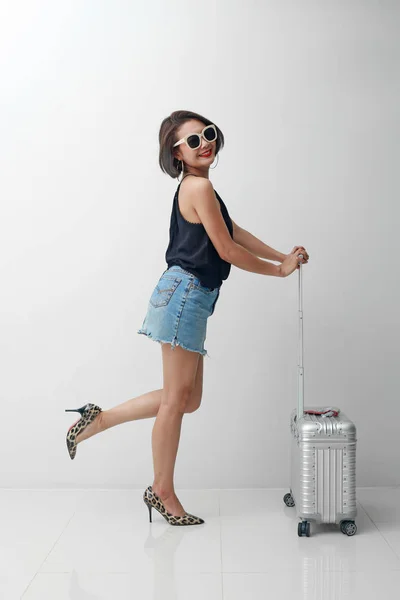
(300,403)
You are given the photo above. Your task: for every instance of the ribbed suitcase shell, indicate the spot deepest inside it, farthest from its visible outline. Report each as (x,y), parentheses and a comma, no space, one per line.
(323,467)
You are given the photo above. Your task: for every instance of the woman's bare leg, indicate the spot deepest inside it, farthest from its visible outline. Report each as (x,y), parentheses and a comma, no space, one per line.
(179,371)
(141,407)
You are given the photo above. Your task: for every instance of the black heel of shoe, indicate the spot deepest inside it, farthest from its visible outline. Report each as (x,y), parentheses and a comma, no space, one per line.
(149,507)
(80,410)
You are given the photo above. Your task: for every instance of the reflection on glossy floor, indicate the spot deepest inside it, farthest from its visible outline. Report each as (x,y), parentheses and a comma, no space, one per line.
(87,545)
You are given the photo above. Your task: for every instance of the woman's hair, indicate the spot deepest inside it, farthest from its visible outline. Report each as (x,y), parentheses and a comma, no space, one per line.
(167,138)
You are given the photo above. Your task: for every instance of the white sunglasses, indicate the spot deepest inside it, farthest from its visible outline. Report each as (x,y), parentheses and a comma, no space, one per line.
(193,140)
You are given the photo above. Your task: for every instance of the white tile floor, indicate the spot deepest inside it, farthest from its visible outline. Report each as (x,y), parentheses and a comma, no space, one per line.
(87,545)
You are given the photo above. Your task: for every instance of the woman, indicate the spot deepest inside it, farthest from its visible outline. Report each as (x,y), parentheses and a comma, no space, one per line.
(204,243)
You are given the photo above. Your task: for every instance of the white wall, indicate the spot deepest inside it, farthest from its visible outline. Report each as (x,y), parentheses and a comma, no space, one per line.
(307,94)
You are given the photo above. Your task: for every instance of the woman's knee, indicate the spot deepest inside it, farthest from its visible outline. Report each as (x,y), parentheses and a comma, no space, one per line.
(178,398)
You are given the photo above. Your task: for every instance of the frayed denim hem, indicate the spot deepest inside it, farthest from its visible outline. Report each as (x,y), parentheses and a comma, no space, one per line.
(174,343)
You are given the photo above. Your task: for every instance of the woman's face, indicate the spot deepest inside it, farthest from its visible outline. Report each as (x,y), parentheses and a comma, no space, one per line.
(194,158)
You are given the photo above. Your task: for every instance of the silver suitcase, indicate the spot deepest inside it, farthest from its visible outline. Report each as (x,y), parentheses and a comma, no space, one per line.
(323,459)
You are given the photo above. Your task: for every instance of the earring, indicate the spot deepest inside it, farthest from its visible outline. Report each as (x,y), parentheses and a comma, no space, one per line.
(217,162)
(177,168)
(182,167)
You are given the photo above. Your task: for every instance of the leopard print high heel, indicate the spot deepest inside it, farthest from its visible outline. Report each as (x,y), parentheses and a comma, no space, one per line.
(153,501)
(89,412)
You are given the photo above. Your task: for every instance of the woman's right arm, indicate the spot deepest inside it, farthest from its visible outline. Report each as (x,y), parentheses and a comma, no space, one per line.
(202,196)
(243,259)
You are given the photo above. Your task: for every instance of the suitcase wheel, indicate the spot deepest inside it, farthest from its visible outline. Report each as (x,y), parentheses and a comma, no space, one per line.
(303,529)
(348,527)
(288,499)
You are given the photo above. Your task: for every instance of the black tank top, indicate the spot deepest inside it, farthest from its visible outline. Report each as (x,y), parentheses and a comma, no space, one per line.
(191,248)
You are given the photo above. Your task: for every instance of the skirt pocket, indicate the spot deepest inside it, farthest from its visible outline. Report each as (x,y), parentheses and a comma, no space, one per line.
(164,291)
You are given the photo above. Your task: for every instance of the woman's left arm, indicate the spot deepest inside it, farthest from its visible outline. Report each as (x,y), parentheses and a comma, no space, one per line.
(254,245)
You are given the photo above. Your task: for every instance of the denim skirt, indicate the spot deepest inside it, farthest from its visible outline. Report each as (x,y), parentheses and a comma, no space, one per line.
(178,310)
